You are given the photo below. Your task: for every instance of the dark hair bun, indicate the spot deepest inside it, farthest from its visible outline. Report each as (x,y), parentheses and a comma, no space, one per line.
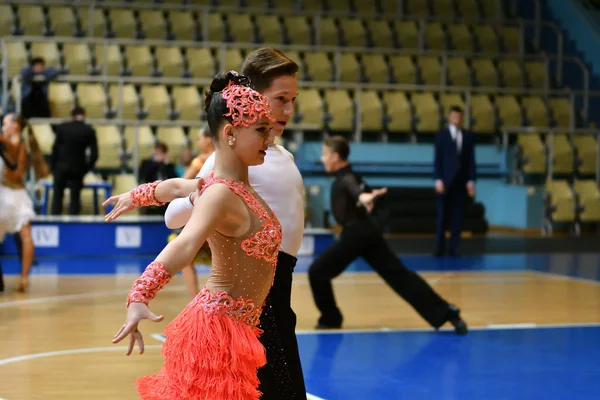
(220,82)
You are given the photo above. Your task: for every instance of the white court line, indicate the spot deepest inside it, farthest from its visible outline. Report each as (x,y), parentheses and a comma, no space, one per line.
(34,356)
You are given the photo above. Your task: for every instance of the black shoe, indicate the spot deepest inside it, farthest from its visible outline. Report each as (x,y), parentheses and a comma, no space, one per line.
(454,253)
(438,253)
(460,326)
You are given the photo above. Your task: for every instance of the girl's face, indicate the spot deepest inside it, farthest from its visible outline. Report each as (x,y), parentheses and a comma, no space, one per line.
(250,144)
(9,127)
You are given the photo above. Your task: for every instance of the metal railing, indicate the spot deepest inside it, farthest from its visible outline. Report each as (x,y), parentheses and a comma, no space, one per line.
(336,51)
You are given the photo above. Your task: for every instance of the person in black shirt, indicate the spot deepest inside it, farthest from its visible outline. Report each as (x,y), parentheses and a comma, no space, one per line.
(351,203)
(70,161)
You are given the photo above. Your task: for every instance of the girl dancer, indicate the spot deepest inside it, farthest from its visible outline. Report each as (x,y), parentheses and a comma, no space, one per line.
(16,208)
(212,349)
(205,143)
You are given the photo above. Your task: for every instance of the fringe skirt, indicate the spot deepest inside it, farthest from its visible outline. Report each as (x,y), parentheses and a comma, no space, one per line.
(212,352)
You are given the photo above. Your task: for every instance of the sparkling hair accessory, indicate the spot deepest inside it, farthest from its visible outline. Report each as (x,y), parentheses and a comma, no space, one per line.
(246,105)
(143,195)
(145,288)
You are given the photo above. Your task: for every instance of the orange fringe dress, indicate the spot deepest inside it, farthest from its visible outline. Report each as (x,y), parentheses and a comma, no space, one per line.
(212,349)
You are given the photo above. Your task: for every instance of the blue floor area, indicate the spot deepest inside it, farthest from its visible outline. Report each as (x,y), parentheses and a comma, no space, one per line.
(580,265)
(548,363)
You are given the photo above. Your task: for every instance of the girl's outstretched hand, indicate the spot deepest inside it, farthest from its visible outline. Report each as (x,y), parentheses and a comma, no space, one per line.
(135,313)
(123,205)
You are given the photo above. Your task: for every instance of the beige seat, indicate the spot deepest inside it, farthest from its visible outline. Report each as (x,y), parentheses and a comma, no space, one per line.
(588,200)
(483,114)
(375,68)
(241,28)
(61,99)
(435,37)
(32,20)
(371,109)
(174,137)
(509,111)
(319,66)
(7,20)
(310,108)
(340,110)
(153,24)
(329,35)
(399,112)
(403,69)
(586,154)
(487,38)
(458,72)
(78,58)
(560,200)
(536,111)
(534,152)
(485,72)
(408,34)
(183,26)
(156,101)
(230,59)
(124,101)
(298,30)
(269,28)
(17,58)
(109,57)
(512,75)
(381,33)
(123,23)
(45,137)
(431,69)
(98,21)
(563,158)
(461,37)
(216,28)
(139,60)
(188,103)
(201,63)
(109,146)
(350,70)
(353,32)
(427,112)
(63,21)
(92,97)
(170,61)
(146,141)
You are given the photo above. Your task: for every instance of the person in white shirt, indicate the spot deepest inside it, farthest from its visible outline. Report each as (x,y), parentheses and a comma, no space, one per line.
(454,174)
(279,183)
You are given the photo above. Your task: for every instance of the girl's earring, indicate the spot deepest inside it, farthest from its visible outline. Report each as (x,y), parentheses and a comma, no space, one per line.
(231,141)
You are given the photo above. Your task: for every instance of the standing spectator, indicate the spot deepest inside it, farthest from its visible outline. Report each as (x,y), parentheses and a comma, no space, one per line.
(158,168)
(70,161)
(34,89)
(454,174)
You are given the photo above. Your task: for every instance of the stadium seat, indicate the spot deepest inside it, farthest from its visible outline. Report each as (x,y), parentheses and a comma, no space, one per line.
(319,66)
(399,113)
(32,21)
(146,141)
(371,118)
(350,70)
(430,69)
(482,114)
(536,111)
(487,39)
(562,161)
(427,112)
(169,61)
(328,32)
(585,147)
(461,37)
(63,21)
(403,70)
(122,23)
(183,26)
(485,72)
(92,97)
(536,71)
(588,200)
(509,111)
(533,160)
(99,25)
(45,137)
(241,28)
(156,102)
(7,20)
(77,58)
(109,147)
(560,202)
(61,98)
(353,32)
(310,108)
(468,9)
(511,73)
(408,34)
(139,60)
(376,69)
(48,51)
(380,33)
(458,72)
(561,111)
(174,137)
(297,30)
(340,110)
(200,62)
(435,37)
(269,29)
(124,101)
(109,58)
(17,57)
(188,103)
(153,24)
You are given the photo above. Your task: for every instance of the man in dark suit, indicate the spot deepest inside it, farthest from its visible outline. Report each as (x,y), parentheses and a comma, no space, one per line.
(74,154)
(454,174)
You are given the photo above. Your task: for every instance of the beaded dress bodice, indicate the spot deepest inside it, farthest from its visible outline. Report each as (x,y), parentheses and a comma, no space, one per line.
(243,268)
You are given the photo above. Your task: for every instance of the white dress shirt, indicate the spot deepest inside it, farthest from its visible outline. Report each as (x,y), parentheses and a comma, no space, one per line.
(277,181)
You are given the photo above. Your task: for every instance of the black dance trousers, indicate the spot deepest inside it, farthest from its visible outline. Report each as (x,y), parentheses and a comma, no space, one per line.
(364,239)
(282,377)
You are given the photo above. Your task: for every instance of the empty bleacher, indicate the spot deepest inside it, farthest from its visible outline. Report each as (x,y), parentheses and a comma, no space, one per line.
(371,71)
